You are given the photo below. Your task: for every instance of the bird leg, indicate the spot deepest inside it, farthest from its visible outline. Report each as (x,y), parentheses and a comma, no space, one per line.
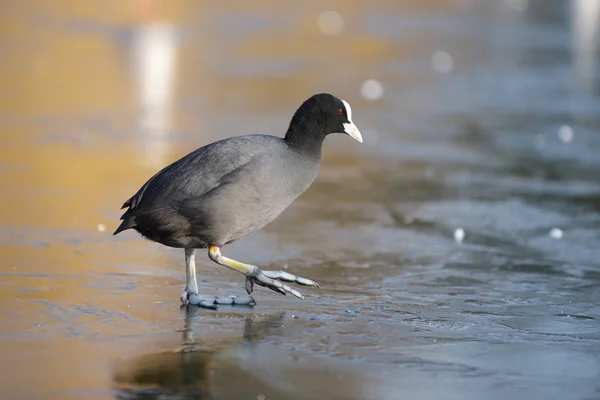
(190,293)
(191,284)
(269,279)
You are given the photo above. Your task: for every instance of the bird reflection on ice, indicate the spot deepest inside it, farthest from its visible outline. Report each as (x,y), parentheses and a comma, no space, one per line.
(226,366)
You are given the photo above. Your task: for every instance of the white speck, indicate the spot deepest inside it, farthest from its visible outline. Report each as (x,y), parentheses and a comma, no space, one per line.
(459,235)
(128,305)
(330,22)
(442,62)
(539,141)
(101,227)
(556,233)
(565,133)
(371,89)
(518,5)
(261,397)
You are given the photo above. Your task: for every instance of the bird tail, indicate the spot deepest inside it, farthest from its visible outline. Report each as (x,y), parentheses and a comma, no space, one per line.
(128,223)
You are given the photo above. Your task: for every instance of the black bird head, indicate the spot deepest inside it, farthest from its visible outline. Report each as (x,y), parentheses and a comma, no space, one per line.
(319,116)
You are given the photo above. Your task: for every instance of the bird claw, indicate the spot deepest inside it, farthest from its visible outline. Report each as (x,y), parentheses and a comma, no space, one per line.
(274,280)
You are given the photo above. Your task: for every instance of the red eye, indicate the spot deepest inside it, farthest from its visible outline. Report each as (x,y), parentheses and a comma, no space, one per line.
(340,112)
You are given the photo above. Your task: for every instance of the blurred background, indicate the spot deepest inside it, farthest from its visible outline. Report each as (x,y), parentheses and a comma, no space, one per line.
(457,249)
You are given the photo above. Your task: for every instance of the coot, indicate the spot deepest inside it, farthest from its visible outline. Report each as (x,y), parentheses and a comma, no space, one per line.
(233,187)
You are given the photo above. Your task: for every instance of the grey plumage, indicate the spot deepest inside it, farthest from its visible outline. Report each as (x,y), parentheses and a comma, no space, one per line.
(220,192)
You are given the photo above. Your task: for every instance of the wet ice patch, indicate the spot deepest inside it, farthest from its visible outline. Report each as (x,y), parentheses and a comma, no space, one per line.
(500,217)
(514,227)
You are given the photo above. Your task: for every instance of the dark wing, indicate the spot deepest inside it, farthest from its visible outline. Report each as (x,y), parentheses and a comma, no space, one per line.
(193,175)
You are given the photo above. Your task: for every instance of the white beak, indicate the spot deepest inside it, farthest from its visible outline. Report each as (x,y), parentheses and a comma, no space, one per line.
(353,131)
(349,127)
